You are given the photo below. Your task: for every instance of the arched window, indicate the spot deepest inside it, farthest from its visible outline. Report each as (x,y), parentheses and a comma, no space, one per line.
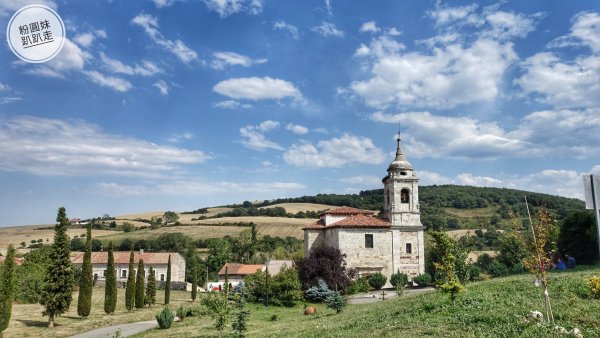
(404,198)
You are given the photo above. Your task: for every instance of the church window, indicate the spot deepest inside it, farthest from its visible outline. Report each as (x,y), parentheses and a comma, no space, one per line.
(403,173)
(404,196)
(368,241)
(408,248)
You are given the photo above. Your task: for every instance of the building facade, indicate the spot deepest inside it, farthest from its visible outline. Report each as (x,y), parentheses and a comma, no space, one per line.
(157,260)
(372,244)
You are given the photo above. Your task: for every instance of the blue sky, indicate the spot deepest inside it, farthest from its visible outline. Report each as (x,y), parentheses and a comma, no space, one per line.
(176,105)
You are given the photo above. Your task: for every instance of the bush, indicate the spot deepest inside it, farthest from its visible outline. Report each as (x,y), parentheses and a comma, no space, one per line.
(286,287)
(497,269)
(327,263)
(594,286)
(422,279)
(183,312)
(399,278)
(318,293)
(165,318)
(336,301)
(359,285)
(377,281)
(474,272)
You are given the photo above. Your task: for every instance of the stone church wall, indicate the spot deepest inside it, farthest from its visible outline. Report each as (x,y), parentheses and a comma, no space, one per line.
(367,260)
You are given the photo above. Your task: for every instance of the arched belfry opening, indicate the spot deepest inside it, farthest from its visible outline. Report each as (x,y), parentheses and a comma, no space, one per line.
(404,196)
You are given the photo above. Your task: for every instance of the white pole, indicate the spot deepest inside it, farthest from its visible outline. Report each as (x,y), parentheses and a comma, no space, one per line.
(596,213)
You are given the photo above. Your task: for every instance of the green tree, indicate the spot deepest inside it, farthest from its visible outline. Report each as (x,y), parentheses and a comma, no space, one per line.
(512,251)
(58,288)
(84,300)
(399,279)
(7,288)
(286,287)
(139,285)
(335,301)
(444,260)
(241,316)
(110,290)
(130,287)
(194,284)
(218,308)
(578,236)
(168,283)
(170,217)
(377,281)
(150,298)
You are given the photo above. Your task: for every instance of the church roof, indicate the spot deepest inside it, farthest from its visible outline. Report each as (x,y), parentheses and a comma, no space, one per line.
(348,211)
(357,221)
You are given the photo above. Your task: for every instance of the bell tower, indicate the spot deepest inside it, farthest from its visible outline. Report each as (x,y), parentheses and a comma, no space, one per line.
(401,208)
(401,192)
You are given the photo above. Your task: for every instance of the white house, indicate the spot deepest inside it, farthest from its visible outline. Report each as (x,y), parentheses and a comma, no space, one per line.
(373,244)
(157,260)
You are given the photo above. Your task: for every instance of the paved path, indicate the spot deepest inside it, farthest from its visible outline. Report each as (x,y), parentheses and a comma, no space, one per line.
(126,330)
(376,297)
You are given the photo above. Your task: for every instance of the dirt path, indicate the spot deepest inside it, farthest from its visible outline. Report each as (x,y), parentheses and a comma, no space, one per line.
(126,330)
(376,297)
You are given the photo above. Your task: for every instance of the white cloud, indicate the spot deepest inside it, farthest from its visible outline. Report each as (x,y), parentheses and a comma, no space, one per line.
(370,27)
(44,146)
(231,104)
(297,129)
(147,68)
(585,31)
(451,15)
(196,187)
(253,137)
(115,83)
(162,86)
(223,59)
(256,88)
(291,29)
(177,47)
(71,58)
(328,29)
(226,8)
(175,138)
(3,87)
(573,135)
(505,25)
(328,7)
(86,39)
(9,99)
(9,7)
(367,181)
(164,3)
(334,153)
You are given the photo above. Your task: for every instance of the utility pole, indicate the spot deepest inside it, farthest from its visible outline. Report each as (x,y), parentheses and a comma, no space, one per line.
(591,185)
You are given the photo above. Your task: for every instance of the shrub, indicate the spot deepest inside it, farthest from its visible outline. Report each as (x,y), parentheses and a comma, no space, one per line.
(594,286)
(377,281)
(327,263)
(497,269)
(422,279)
(399,278)
(359,285)
(336,301)
(183,312)
(286,287)
(318,293)
(165,318)
(474,272)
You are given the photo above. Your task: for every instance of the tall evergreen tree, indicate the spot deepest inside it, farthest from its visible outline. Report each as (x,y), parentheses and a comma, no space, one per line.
(110,289)
(168,285)
(140,285)
(57,293)
(194,284)
(150,298)
(7,288)
(84,301)
(130,288)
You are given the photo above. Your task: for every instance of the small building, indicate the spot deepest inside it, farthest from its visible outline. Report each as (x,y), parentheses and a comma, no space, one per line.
(157,260)
(236,272)
(18,260)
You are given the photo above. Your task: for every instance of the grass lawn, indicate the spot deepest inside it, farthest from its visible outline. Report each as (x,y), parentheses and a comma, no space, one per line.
(27,319)
(495,308)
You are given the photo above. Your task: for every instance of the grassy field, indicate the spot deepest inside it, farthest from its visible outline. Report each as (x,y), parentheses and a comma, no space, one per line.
(495,308)
(296,207)
(27,320)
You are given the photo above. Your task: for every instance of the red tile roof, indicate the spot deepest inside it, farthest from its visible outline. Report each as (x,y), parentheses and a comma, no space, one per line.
(122,257)
(18,261)
(348,211)
(358,221)
(240,269)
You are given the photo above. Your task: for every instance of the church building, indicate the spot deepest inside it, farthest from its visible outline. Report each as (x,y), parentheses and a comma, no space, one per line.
(372,244)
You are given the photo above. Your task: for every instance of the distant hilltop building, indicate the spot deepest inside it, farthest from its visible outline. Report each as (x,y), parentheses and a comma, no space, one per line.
(373,244)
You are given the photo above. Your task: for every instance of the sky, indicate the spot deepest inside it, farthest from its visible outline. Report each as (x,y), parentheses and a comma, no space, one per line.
(182,104)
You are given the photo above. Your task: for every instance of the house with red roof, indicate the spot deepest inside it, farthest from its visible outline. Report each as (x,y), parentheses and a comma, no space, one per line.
(386,244)
(157,260)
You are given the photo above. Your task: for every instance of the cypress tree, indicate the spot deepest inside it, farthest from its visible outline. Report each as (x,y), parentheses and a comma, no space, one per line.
(194,283)
(110,289)
(130,288)
(7,288)
(57,292)
(168,285)
(139,285)
(84,301)
(150,298)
